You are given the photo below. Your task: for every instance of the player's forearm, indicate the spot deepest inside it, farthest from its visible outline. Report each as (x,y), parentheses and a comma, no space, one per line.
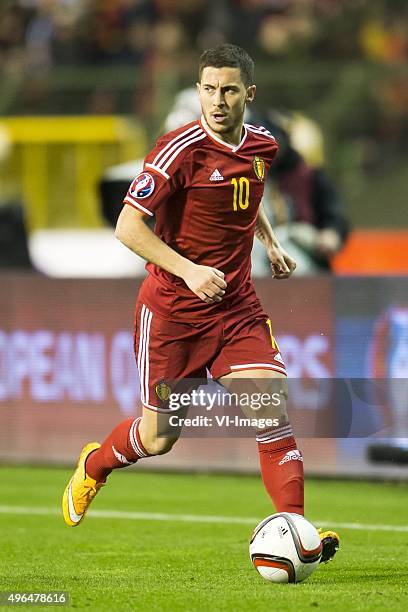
(140,239)
(263,229)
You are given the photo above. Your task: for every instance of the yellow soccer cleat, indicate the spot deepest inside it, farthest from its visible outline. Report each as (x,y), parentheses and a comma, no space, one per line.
(80,490)
(330,544)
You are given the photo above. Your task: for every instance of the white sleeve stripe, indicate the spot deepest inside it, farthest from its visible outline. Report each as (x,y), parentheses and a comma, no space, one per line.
(262,131)
(133,202)
(159,170)
(186,144)
(132,198)
(171,142)
(258,127)
(177,146)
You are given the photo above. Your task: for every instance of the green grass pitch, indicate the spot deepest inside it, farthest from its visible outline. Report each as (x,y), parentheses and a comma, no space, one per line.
(160,563)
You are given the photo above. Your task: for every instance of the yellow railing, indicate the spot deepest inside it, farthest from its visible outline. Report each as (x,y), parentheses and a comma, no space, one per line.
(55,163)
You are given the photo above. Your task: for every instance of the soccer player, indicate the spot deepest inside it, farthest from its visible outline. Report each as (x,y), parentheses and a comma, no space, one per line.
(198,309)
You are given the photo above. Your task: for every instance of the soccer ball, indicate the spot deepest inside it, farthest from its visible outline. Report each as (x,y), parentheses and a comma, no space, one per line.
(285,547)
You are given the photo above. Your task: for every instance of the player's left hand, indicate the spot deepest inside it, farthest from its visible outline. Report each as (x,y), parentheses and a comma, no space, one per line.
(282,264)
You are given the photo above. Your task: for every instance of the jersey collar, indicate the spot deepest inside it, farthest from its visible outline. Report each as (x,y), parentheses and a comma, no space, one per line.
(233,148)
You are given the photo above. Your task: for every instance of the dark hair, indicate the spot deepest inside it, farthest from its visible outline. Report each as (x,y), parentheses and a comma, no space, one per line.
(231,56)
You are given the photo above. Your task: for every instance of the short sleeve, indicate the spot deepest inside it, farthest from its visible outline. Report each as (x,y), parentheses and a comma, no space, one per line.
(152,187)
(271,147)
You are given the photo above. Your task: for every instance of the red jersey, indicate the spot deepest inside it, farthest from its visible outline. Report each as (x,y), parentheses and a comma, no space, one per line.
(205,195)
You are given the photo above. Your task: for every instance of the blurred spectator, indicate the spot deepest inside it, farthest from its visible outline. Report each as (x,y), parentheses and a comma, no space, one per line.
(162,38)
(384,40)
(61,32)
(13,236)
(341,62)
(12,32)
(306,211)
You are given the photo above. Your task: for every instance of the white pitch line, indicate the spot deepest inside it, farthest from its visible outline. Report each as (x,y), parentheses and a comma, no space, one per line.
(190,518)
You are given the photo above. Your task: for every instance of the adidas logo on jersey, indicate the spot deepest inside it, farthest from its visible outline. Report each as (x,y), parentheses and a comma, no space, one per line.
(216,176)
(294,455)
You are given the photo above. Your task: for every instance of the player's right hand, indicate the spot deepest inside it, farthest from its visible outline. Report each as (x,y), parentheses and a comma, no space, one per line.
(207,283)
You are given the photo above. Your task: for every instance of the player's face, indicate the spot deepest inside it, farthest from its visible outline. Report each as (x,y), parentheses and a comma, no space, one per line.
(223,97)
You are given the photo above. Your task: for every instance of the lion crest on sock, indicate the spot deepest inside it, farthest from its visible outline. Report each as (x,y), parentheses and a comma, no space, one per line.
(163,391)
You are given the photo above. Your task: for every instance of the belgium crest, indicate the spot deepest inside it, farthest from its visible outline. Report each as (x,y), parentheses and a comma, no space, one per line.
(259,167)
(163,391)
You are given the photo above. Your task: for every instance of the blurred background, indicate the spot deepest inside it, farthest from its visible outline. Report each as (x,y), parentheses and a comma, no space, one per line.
(85,89)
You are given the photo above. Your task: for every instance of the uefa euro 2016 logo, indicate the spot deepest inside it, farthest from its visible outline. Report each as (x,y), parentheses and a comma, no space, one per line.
(142,186)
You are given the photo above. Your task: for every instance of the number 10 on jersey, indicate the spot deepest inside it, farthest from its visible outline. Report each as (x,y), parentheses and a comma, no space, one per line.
(240,198)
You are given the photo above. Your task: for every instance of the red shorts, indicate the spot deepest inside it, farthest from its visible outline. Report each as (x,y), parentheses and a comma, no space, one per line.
(170,350)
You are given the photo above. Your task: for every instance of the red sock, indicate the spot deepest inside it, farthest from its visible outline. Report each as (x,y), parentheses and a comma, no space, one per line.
(282,469)
(121,448)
